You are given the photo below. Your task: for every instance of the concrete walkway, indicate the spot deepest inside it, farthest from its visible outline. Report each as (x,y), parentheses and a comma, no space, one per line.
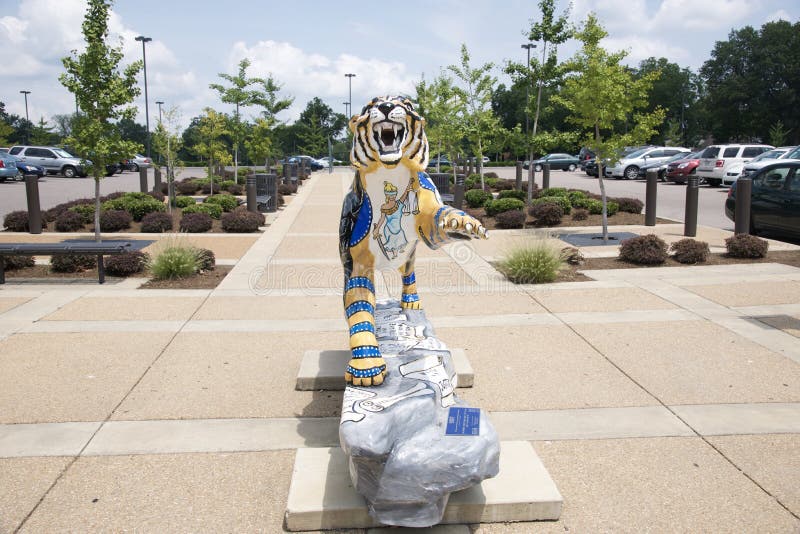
(663,399)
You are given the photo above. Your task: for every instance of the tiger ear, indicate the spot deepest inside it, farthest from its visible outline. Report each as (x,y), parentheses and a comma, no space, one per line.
(353,124)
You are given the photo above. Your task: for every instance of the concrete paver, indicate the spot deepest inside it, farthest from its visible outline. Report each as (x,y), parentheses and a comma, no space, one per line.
(544,367)
(271,307)
(751,293)
(601,300)
(771,460)
(24,481)
(240,492)
(71,377)
(8,303)
(785,323)
(696,363)
(439,304)
(127,309)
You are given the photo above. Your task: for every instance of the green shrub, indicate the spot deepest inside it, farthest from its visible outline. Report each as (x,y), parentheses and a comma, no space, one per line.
(115,220)
(562,201)
(594,206)
(228,202)
(18,262)
(513,193)
(235,189)
(174,262)
(69,221)
(491,182)
(746,246)
(554,192)
(611,207)
(187,187)
(476,198)
(547,213)
(184,202)
(127,263)
(212,210)
(536,263)
(16,221)
(137,204)
(225,184)
(502,185)
(72,263)
(580,214)
(287,189)
(493,207)
(510,219)
(84,210)
(644,249)
(157,222)
(690,251)
(576,196)
(630,205)
(240,222)
(195,222)
(206,261)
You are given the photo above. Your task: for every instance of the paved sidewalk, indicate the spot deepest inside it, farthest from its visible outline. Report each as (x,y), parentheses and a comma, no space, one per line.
(663,399)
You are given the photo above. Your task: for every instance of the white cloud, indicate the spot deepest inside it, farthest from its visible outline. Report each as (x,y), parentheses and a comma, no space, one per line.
(781,14)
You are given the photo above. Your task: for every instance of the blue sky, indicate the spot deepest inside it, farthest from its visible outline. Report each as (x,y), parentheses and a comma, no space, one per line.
(308,45)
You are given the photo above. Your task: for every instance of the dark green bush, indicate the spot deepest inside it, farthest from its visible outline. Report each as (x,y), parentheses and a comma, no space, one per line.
(187,187)
(690,251)
(18,262)
(69,221)
(562,201)
(502,185)
(16,221)
(115,220)
(184,202)
(493,207)
(477,197)
(210,209)
(72,263)
(228,202)
(225,184)
(510,219)
(84,210)
(491,174)
(746,246)
(513,193)
(644,249)
(235,189)
(240,222)
(547,213)
(629,205)
(261,219)
(158,195)
(164,188)
(157,222)
(287,189)
(195,222)
(580,214)
(206,261)
(127,263)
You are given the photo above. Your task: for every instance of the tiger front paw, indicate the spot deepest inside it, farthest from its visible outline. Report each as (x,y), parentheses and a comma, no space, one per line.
(460,222)
(365,371)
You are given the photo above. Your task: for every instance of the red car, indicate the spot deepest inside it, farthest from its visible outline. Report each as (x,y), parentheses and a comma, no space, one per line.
(679,171)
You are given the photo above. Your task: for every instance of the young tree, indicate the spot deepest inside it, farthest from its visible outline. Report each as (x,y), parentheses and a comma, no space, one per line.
(63,124)
(211,128)
(239,94)
(102,93)
(442,107)
(480,122)
(42,134)
(5,131)
(259,142)
(168,141)
(260,145)
(601,93)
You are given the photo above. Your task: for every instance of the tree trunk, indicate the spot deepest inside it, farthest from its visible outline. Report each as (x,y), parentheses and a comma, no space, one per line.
(235,164)
(438,157)
(600,173)
(480,163)
(211,174)
(97,236)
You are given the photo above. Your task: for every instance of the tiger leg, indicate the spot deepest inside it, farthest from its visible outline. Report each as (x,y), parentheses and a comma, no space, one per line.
(366,366)
(410,298)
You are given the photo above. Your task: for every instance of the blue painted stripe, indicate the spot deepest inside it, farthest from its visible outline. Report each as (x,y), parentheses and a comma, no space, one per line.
(365,373)
(363,222)
(359,281)
(413,297)
(425,181)
(363,326)
(366,351)
(359,306)
(410,279)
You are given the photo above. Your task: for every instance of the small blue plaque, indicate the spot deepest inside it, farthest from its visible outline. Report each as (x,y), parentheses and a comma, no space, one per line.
(463,421)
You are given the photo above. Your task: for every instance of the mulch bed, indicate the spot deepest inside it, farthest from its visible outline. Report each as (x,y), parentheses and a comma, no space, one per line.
(618,219)
(136,227)
(204,280)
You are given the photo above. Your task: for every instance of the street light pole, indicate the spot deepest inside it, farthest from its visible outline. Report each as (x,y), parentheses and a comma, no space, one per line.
(145,40)
(159,102)
(350,77)
(528,47)
(347,110)
(27,126)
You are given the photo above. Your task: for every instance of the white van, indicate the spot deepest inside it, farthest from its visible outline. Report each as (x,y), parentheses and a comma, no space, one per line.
(716,159)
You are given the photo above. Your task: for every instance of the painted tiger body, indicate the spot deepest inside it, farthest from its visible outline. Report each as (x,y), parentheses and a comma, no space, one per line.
(391,206)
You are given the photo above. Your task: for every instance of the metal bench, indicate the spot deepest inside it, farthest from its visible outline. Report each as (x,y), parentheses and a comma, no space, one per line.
(450,194)
(51,249)
(267,192)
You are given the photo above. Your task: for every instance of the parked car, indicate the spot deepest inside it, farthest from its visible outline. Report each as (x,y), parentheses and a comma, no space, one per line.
(54,160)
(774,200)
(8,166)
(590,167)
(24,168)
(562,161)
(137,162)
(716,159)
(441,159)
(4,149)
(660,166)
(679,171)
(628,166)
(735,170)
(752,166)
(328,160)
(311,163)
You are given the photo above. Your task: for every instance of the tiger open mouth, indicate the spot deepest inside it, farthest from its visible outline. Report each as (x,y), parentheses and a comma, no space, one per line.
(389,136)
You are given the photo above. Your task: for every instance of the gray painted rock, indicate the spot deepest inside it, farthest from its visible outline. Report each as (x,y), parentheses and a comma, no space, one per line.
(411,441)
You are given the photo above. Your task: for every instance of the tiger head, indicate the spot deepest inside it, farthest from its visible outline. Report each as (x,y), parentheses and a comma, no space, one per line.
(389,131)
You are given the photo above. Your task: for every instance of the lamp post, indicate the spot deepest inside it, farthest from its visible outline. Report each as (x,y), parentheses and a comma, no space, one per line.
(27,120)
(350,77)
(528,47)
(159,102)
(145,40)
(346,110)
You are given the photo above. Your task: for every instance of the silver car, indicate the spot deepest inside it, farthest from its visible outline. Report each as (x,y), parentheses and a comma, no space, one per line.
(138,162)
(54,160)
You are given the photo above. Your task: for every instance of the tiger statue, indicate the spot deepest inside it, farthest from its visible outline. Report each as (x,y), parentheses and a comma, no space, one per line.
(391,205)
